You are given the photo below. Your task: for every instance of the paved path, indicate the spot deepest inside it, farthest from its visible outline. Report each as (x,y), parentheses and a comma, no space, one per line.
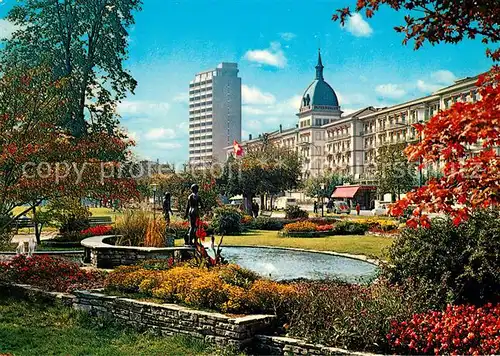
(25,237)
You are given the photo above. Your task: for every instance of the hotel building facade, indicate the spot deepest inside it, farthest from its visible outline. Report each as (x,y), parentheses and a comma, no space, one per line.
(214,114)
(329,141)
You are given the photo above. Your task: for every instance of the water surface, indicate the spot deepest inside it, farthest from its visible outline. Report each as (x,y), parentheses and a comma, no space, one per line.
(281,264)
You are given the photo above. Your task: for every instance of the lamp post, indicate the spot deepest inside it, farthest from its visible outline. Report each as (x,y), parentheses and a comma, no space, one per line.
(322,199)
(154,186)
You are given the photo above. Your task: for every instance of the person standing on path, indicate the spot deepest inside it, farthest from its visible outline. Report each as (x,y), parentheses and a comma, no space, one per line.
(358,208)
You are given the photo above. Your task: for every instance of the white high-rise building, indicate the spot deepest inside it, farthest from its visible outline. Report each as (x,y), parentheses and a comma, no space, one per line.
(214,114)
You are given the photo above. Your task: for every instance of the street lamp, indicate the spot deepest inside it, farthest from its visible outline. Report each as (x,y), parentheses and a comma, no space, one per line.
(155,187)
(322,199)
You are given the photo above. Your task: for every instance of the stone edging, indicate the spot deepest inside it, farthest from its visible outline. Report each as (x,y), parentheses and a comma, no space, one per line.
(103,255)
(285,346)
(363,258)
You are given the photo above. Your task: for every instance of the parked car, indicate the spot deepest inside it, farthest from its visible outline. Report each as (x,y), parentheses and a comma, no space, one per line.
(381,210)
(283,202)
(341,207)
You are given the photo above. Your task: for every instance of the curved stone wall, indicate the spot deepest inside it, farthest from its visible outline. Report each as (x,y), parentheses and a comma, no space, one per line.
(101,253)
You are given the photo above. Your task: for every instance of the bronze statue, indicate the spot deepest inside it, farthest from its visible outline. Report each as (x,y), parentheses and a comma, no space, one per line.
(193,207)
(167,208)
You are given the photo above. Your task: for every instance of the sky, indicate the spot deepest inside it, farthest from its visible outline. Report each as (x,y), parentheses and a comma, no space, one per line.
(275,44)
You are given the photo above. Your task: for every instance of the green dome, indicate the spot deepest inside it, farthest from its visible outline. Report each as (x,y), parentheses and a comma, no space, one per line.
(319,92)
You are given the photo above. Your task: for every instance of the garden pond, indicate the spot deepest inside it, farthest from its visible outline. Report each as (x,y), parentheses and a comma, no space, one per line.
(286,264)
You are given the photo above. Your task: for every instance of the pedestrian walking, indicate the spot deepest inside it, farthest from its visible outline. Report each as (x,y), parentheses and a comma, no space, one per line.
(315,207)
(358,208)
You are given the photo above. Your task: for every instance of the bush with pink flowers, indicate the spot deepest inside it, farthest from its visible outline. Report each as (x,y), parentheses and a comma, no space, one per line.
(48,273)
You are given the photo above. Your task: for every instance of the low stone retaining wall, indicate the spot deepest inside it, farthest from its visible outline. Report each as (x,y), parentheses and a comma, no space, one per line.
(164,319)
(102,254)
(278,345)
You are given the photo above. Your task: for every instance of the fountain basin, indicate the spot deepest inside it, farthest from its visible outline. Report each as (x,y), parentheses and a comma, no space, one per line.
(288,263)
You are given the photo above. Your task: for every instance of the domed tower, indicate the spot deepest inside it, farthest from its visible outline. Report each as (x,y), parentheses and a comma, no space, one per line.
(320,98)
(319,106)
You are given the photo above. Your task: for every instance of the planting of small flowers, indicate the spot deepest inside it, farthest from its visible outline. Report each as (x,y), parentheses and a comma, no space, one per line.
(227,288)
(48,273)
(300,226)
(460,329)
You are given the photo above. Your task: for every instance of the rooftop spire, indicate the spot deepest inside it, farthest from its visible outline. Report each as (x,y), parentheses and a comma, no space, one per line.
(319,67)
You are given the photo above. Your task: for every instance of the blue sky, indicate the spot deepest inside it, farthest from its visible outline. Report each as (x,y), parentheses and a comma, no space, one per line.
(275,45)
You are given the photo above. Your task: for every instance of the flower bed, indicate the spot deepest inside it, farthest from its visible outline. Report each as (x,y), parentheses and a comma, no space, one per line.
(78,236)
(228,288)
(457,330)
(49,273)
(320,227)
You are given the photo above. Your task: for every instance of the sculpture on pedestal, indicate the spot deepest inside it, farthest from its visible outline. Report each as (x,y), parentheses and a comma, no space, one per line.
(193,207)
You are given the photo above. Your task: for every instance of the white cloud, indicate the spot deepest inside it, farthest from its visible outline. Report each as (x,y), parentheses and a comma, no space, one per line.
(427,87)
(250,110)
(287,36)
(444,77)
(439,79)
(253,95)
(294,102)
(7,28)
(273,56)
(358,26)
(142,108)
(159,133)
(182,98)
(392,91)
(168,145)
(351,99)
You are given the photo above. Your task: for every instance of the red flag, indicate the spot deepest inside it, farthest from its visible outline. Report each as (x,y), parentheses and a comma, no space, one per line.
(238,150)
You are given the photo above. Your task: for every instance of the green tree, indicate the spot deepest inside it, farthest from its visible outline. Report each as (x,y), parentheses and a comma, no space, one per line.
(267,169)
(313,185)
(394,173)
(85,42)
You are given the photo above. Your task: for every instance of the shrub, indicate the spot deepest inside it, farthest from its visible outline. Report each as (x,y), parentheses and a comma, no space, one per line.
(237,276)
(461,329)
(49,273)
(350,316)
(347,227)
(226,221)
(267,223)
(455,264)
(300,226)
(132,225)
(228,288)
(295,212)
(97,231)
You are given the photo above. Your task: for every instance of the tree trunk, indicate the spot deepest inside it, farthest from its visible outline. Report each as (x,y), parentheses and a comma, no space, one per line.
(38,231)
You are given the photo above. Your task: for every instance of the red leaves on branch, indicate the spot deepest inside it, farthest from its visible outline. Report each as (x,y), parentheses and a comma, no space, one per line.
(465,141)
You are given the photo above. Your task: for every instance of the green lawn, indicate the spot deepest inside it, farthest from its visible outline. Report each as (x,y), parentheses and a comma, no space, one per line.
(28,329)
(364,245)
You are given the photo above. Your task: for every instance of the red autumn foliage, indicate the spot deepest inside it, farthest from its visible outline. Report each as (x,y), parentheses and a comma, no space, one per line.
(465,138)
(437,21)
(462,330)
(52,274)
(39,157)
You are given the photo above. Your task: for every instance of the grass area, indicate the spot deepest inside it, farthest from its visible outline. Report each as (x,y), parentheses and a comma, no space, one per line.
(28,329)
(354,244)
